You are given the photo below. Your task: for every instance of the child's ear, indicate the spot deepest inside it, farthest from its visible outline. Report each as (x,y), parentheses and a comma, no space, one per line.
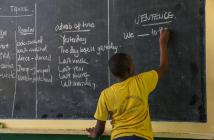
(129,70)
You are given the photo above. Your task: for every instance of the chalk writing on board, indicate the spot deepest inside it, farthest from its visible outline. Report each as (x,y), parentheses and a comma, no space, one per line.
(3,33)
(128,35)
(6,68)
(73,54)
(153,20)
(8,75)
(25,31)
(77,76)
(18,10)
(29,42)
(4,46)
(145,17)
(73,39)
(4,55)
(143,35)
(74,51)
(75,27)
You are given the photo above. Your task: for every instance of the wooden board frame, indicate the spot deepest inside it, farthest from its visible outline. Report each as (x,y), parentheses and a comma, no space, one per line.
(161,129)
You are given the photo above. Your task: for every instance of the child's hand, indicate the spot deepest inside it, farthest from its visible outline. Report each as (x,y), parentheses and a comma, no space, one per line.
(164,36)
(92,132)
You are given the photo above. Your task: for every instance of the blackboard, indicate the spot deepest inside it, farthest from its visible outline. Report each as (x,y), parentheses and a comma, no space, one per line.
(54,55)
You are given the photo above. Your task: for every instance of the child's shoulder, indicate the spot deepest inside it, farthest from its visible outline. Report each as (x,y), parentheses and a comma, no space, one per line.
(106,90)
(146,73)
(111,88)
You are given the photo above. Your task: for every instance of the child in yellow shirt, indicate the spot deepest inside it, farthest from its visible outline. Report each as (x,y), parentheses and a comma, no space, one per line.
(127,100)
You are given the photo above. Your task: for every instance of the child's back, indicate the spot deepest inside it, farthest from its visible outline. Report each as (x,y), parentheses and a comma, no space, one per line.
(127,102)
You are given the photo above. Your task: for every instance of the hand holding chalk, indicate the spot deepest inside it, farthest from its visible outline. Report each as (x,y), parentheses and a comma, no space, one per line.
(164,36)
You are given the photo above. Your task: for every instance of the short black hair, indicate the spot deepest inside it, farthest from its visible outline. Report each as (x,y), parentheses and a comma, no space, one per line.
(119,64)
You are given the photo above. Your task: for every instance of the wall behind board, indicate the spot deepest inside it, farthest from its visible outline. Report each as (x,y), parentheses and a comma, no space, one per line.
(210,60)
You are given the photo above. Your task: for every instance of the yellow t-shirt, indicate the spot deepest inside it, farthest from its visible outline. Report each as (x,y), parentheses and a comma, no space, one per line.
(127,103)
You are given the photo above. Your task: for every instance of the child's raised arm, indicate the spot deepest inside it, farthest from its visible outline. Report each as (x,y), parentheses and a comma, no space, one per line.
(164,38)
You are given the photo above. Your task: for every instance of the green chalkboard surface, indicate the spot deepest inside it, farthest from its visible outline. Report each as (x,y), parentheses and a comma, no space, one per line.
(54,55)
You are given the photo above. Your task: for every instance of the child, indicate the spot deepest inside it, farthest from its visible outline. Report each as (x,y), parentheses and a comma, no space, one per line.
(127,100)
